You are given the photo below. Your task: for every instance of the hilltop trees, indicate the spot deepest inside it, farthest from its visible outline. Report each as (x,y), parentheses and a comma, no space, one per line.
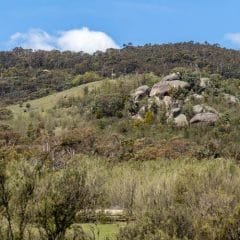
(26,74)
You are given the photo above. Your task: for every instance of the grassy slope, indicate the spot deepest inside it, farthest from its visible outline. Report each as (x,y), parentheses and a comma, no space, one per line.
(49,101)
(106,231)
(43,106)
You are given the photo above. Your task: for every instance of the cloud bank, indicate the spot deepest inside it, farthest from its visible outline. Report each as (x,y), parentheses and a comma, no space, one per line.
(73,40)
(234,38)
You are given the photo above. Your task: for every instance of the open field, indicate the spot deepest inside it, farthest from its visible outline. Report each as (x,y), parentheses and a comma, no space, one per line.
(102,231)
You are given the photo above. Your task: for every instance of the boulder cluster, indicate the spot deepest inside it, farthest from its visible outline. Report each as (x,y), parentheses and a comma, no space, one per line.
(160,95)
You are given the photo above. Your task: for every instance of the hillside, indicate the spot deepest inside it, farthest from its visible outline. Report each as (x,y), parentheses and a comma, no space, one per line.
(28,75)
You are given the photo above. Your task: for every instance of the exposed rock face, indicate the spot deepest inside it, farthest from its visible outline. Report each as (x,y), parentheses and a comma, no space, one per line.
(201,108)
(171,77)
(164,87)
(230,98)
(197,109)
(158,96)
(178,84)
(204,82)
(167,101)
(141,113)
(197,96)
(207,117)
(181,120)
(160,89)
(140,92)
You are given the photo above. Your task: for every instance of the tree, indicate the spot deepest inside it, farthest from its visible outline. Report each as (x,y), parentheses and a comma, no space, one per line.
(61,196)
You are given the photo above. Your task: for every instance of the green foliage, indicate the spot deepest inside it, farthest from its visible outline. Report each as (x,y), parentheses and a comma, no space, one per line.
(108,105)
(149,117)
(87,77)
(5,114)
(28,74)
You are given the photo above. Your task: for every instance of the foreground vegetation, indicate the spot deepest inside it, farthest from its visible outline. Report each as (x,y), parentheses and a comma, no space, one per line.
(180,199)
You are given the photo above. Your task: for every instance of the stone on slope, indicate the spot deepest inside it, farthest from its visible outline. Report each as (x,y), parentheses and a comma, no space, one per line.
(231,98)
(171,77)
(207,117)
(204,82)
(197,109)
(164,87)
(160,89)
(201,108)
(140,92)
(181,120)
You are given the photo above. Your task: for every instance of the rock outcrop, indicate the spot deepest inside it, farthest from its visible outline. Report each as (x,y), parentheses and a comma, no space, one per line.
(207,117)
(171,77)
(164,87)
(201,108)
(181,120)
(160,95)
(140,92)
(230,98)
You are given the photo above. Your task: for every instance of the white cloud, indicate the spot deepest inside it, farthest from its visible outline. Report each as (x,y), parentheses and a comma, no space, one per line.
(85,40)
(74,40)
(35,39)
(233,37)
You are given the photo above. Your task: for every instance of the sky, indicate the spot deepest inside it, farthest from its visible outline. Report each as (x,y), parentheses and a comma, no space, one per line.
(91,25)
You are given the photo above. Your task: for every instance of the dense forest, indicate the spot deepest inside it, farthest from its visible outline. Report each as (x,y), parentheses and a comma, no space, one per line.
(26,74)
(140,143)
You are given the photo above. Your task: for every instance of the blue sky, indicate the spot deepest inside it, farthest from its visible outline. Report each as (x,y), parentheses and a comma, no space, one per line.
(122,21)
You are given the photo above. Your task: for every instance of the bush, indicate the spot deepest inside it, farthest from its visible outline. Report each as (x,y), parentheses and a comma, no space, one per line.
(5,114)
(108,106)
(85,78)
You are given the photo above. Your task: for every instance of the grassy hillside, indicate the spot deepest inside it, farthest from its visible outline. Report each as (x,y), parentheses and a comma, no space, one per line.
(48,102)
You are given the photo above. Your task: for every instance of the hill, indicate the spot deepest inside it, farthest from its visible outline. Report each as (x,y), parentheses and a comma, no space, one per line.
(27,75)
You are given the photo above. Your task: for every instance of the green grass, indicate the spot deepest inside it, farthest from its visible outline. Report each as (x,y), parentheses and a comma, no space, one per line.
(50,101)
(106,231)
(42,107)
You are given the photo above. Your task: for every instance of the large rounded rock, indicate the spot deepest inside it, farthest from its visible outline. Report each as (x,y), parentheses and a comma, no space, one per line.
(181,120)
(197,109)
(171,77)
(160,89)
(140,92)
(207,117)
(230,98)
(204,82)
(201,108)
(164,87)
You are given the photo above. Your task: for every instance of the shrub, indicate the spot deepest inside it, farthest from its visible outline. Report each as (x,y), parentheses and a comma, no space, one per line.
(5,114)
(85,78)
(108,106)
